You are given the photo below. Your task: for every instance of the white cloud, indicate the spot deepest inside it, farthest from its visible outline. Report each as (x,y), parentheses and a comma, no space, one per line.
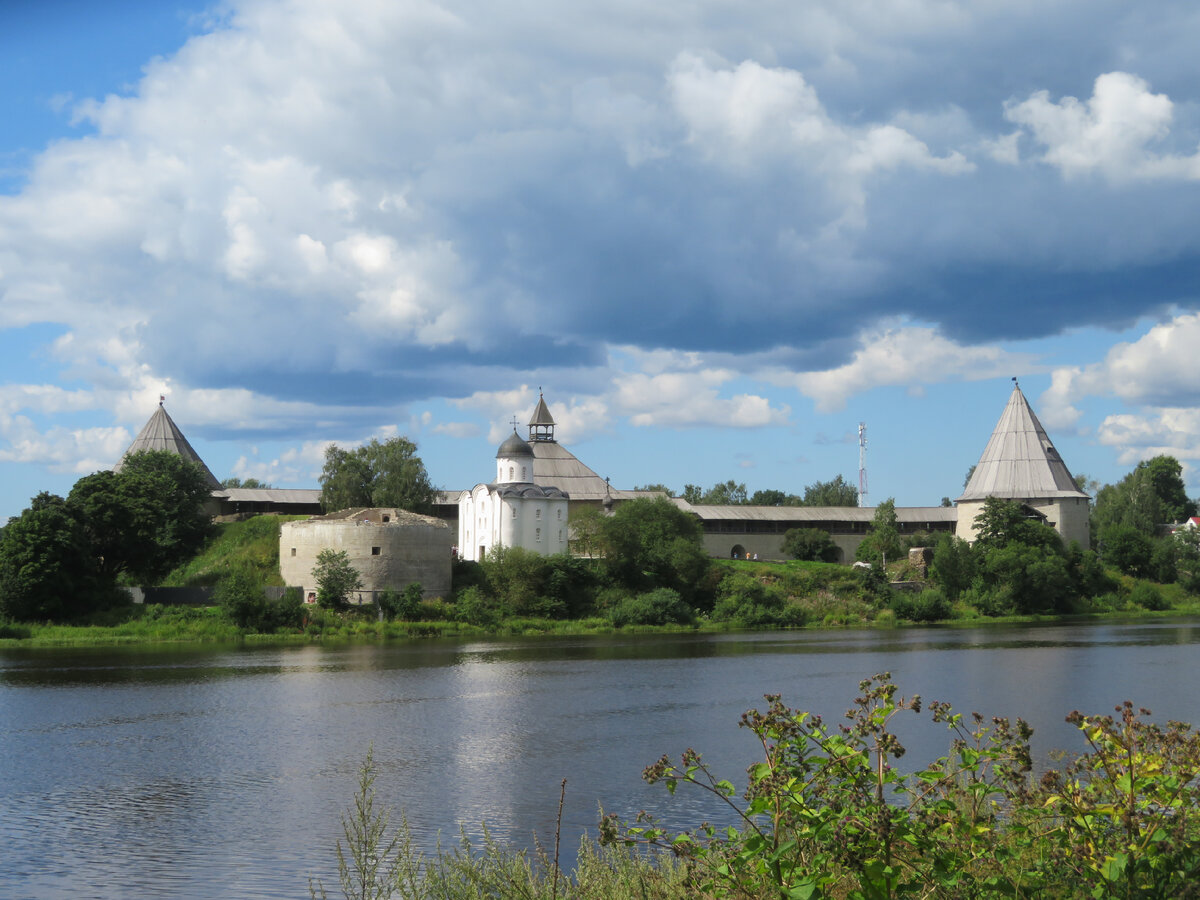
(1161,367)
(903,355)
(1111,133)
(684,399)
(740,115)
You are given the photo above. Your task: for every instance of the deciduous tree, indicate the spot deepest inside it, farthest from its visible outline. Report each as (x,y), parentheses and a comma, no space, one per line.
(812,544)
(837,492)
(387,473)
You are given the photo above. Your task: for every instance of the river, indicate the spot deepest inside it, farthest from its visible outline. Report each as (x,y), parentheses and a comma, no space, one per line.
(216,771)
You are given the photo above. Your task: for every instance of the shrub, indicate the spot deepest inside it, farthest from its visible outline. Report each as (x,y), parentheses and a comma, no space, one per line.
(1147,596)
(812,544)
(930,605)
(404,605)
(661,606)
(475,607)
(336,578)
(240,595)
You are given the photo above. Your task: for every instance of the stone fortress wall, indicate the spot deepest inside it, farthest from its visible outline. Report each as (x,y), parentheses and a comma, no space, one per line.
(390,548)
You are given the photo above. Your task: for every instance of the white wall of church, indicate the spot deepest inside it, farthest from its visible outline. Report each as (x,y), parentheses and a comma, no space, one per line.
(485,520)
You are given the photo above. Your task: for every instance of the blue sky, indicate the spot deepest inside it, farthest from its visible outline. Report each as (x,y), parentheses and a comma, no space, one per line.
(717,237)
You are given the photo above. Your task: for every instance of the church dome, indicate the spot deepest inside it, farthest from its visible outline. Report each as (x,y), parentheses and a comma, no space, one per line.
(514,447)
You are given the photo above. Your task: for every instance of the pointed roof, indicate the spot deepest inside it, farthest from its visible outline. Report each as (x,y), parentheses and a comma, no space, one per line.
(161,433)
(1020,462)
(541,424)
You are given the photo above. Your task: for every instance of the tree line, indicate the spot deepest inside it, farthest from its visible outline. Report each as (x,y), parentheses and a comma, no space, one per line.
(835,492)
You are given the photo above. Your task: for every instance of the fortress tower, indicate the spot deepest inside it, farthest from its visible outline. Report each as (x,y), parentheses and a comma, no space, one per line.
(1020,463)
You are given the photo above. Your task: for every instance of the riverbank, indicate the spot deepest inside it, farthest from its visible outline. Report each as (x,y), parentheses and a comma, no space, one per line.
(153,624)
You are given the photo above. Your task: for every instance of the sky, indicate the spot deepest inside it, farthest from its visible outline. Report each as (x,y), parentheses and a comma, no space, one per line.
(717,236)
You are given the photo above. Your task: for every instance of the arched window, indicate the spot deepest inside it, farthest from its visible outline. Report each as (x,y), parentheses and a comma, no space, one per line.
(537,513)
(523,478)
(538,535)
(510,472)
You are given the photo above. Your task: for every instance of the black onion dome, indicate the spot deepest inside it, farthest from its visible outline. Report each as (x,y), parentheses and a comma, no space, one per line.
(513,447)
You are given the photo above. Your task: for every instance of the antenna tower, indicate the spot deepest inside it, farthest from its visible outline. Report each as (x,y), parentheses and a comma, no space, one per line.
(862,463)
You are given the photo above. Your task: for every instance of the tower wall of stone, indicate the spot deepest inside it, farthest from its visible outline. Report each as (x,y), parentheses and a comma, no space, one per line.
(386,556)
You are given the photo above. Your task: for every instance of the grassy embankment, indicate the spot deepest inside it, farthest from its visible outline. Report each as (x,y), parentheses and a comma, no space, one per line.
(803,594)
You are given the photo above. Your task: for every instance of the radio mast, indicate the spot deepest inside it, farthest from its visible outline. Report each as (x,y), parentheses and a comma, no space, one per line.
(862,463)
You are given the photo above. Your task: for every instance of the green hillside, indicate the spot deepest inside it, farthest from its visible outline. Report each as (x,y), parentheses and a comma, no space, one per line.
(252,544)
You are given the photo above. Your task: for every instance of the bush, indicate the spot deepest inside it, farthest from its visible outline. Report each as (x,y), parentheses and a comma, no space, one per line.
(930,605)
(404,605)
(475,607)
(661,606)
(240,595)
(1147,596)
(827,813)
(812,544)
(745,601)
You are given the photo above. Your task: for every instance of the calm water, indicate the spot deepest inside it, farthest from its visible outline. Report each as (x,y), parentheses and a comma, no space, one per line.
(218,772)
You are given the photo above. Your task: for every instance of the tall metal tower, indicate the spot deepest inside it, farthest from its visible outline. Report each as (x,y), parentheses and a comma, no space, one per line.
(862,463)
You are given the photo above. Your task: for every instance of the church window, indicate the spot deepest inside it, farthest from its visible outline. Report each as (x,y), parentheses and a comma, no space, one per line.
(510,473)
(560,515)
(537,514)
(560,535)
(538,535)
(514,509)
(523,478)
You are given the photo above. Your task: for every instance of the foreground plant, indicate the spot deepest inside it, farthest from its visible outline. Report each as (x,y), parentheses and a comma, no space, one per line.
(826,813)
(377,861)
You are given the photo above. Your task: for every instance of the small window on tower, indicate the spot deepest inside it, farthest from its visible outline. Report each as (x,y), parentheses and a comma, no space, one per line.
(293,551)
(374,551)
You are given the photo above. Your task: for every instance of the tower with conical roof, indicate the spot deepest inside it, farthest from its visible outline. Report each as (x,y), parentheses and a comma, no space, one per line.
(1020,463)
(161,433)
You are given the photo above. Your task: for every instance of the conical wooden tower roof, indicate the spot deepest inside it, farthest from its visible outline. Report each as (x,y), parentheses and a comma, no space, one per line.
(1020,462)
(161,433)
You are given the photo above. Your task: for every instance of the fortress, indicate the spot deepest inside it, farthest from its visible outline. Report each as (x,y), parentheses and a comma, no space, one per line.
(539,483)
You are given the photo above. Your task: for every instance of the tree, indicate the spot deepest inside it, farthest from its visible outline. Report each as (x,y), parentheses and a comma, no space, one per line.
(651,543)
(837,492)
(811,544)
(1128,549)
(248,483)
(883,540)
(46,568)
(387,473)
(1151,495)
(693,493)
(165,495)
(953,566)
(586,529)
(772,497)
(1002,522)
(336,578)
(660,488)
(729,493)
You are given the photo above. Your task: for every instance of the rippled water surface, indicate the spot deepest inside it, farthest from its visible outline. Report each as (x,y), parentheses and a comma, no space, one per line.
(220,772)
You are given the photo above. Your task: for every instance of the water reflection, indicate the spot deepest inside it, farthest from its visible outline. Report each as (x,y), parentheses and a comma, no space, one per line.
(206,771)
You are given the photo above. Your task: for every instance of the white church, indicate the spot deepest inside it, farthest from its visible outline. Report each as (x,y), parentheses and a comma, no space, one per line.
(514,511)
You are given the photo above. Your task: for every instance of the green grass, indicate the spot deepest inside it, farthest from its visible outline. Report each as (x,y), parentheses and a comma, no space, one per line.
(252,543)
